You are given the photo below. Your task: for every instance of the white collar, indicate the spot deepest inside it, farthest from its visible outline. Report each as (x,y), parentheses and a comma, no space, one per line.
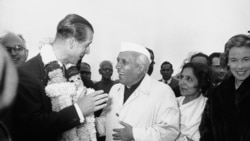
(168,81)
(48,55)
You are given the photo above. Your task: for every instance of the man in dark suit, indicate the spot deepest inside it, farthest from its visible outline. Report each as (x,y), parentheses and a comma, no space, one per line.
(221,72)
(33,118)
(166,72)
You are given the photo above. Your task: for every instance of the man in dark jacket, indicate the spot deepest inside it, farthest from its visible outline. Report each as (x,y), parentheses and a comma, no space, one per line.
(33,118)
(166,72)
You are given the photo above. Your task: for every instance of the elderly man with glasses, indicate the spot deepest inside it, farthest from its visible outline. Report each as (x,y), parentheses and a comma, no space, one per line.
(16,47)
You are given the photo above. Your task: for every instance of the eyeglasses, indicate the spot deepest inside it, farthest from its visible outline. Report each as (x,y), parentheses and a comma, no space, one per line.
(16,48)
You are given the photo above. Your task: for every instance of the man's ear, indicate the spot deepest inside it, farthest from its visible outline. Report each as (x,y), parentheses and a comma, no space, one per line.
(26,54)
(161,72)
(141,68)
(71,42)
(100,71)
(172,71)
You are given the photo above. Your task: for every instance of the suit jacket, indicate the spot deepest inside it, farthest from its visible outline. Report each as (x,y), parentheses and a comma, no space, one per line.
(151,109)
(32,115)
(88,83)
(174,84)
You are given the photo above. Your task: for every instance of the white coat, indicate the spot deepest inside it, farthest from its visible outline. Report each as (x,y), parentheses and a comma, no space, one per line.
(151,110)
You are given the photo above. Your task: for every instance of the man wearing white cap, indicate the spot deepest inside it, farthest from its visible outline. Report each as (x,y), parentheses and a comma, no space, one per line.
(140,108)
(16,47)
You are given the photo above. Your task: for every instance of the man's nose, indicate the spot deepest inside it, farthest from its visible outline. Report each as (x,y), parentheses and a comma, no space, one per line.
(13,51)
(117,65)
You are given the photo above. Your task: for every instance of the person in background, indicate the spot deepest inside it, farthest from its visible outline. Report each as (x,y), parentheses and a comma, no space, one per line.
(194,81)
(152,57)
(105,84)
(199,58)
(106,71)
(219,70)
(166,72)
(16,47)
(226,116)
(140,108)
(33,117)
(85,72)
(8,87)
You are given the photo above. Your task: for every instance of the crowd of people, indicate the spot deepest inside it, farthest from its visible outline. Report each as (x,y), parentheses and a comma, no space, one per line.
(53,97)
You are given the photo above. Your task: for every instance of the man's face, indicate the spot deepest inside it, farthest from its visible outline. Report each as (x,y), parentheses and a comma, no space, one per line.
(85,71)
(16,48)
(166,71)
(127,68)
(80,48)
(106,70)
(218,69)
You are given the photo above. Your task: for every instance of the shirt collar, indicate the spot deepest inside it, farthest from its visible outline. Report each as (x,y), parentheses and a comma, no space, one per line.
(133,87)
(168,81)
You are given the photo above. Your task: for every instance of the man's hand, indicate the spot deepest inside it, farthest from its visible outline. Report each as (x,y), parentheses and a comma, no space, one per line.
(92,102)
(124,134)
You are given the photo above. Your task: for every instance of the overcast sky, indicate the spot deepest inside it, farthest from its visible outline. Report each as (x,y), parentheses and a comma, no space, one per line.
(172,28)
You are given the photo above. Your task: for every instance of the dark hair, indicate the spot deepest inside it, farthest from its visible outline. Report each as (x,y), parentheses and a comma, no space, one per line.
(85,63)
(199,54)
(213,55)
(75,26)
(240,40)
(165,63)
(72,71)
(105,62)
(203,73)
(152,57)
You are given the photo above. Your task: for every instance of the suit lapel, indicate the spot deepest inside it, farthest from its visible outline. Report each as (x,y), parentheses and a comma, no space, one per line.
(40,66)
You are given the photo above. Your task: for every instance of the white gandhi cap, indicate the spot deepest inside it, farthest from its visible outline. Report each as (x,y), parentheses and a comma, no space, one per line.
(127,46)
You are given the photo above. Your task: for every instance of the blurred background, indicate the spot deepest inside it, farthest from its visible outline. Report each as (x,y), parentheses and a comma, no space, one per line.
(171,28)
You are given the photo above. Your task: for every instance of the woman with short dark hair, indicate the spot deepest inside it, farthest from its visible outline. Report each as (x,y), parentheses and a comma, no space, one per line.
(194,81)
